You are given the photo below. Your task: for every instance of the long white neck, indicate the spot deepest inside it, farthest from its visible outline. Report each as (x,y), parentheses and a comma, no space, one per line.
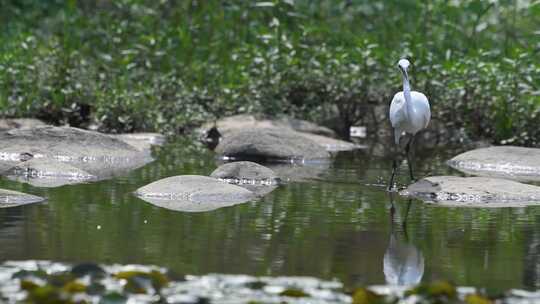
(407,94)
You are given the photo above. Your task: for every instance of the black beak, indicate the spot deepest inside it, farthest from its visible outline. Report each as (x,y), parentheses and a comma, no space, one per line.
(403,71)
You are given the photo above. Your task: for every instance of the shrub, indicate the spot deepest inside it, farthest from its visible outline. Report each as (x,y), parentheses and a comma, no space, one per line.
(168,66)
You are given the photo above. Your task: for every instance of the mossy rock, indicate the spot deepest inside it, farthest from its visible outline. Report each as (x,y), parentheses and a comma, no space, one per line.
(26,274)
(95,288)
(139,281)
(28,285)
(366,296)
(477,299)
(294,293)
(435,290)
(91,269)
(60,279)
(256,285)
(113,298)
(47,294)
(74,287)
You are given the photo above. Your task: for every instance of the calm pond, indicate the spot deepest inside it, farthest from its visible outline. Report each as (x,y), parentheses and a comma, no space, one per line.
(334,224)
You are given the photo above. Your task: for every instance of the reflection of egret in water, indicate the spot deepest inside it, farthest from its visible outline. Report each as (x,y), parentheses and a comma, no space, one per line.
(403,263)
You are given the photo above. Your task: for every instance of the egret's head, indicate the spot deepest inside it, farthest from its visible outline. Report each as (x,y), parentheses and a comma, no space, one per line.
(403,64)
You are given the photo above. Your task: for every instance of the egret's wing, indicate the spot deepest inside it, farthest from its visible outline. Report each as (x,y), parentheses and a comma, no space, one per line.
(397,114)
(422,104)
(427,117)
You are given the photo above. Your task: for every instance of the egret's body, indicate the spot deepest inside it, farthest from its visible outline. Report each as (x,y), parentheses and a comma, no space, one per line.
(413,121)
(409,113)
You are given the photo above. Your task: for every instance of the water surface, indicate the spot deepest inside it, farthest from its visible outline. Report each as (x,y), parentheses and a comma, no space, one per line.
(335,225)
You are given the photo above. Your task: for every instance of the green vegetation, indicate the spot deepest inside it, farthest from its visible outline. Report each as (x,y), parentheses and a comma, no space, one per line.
(365,296)
(46,288)
(139,281)
(131,65)
(441,290)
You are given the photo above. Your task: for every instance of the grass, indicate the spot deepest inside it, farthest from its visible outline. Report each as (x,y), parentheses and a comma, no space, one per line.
(168,66)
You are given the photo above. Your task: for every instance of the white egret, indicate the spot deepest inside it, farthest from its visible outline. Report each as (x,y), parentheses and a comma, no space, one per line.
(409,113)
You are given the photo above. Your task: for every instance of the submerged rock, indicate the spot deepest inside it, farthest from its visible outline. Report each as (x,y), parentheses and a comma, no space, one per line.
(270,144)
(193,193)
(474,192)
(10,198)
(96,153)
(252,176)
(517,163)
(42,172)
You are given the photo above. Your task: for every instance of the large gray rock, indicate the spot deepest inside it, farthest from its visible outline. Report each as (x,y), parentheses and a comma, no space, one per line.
(142,141)
(5,166)
(303,126)
(511,162)
(332,144)
(474,192)
(270,144)
(96,153)
(193,193)
(10,198)
(321,135)
(252,176)
(245,121)
(15,123)
(40,172)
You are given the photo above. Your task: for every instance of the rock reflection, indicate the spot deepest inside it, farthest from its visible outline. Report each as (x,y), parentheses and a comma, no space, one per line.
(403,262)
(300,171)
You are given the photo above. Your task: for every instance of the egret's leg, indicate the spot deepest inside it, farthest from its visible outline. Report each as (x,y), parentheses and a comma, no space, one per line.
(407,212)
(404,223)
(392,211)
(407,149)
(394,170)
(394,162)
